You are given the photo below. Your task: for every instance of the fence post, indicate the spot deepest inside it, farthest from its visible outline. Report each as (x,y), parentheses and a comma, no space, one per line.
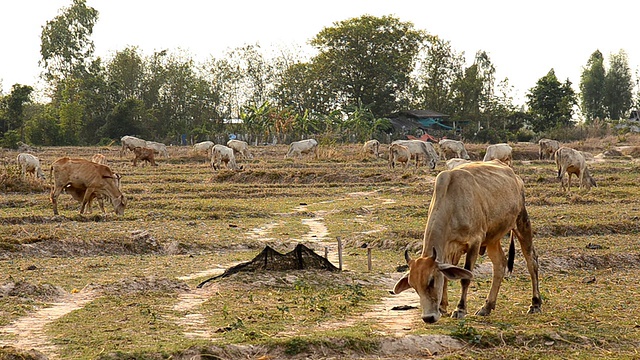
(339,253)
(369,259)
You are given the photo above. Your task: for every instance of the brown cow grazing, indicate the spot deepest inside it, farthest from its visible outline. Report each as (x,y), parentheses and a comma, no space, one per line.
(78,195)
(80,176)
(473,207)
(399,154)
(144,154)
(572,161)
(548,148)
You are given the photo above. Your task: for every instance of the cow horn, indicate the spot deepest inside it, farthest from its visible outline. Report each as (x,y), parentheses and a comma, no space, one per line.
(406,256)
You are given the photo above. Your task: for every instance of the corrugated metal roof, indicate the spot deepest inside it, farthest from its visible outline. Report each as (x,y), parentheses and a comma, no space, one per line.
(419,114)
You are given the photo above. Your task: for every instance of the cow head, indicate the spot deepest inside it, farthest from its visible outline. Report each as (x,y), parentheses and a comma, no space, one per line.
(588,181)
(426,276)
(119,203)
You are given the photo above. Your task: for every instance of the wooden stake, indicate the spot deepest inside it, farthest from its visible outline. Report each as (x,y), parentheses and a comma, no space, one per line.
(339,253)
(369,259)
(326,252)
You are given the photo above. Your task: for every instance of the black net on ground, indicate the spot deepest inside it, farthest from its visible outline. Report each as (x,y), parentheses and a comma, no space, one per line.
(300,258)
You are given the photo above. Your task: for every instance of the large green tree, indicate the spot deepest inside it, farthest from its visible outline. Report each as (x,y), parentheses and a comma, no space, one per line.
(551,103)
(66,45)
(618,86)
(439,66)
(592,88)
(367,59)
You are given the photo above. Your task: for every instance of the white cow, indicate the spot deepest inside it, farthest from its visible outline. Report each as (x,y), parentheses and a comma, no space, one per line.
(130,143)
(371,147)
(223,154)
(158,148)
(29,164)
(455,162)
(240,147)
(572,161)
(548,148)
(399,154)
(204,146)
(500,152)
(303,147)
(421,149)
(453,146)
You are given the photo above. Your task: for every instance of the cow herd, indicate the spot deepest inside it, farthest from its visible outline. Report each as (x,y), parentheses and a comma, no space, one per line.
(466,214)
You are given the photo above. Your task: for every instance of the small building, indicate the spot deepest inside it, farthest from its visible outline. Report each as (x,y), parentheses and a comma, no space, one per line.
(420,122)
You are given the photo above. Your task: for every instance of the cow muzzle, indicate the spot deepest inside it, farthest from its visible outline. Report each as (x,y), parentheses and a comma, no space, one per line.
(430,318)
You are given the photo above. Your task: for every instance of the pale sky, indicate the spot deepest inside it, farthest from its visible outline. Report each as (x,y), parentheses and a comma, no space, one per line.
(524,39)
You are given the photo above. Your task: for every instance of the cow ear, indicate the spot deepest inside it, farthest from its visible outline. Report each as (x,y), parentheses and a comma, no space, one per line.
(401,285)
(453,272)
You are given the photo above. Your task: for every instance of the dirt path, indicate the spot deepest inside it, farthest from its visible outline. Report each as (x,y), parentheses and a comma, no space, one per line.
(29,331)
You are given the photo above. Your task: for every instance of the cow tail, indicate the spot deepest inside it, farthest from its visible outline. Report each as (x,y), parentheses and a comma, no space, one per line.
(512,253)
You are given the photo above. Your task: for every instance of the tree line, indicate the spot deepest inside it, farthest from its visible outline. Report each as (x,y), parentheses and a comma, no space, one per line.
(365,69)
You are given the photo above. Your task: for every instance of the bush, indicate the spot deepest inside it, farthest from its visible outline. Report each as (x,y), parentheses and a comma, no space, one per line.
(10,139)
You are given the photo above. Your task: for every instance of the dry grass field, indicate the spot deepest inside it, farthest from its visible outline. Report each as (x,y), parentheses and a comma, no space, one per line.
(124,287)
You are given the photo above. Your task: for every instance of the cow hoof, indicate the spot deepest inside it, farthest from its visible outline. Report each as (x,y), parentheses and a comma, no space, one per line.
(483,312)
(534,310)
(458,314)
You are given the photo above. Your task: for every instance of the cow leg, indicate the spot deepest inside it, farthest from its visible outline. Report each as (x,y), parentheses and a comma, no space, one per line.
(499,262)
(469,261)
(87,198)
(53,196)
(525,238)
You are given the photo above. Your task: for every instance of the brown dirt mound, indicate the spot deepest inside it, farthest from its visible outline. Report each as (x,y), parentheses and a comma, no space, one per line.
(23,289)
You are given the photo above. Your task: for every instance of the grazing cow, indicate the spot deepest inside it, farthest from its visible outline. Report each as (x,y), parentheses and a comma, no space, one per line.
(399,153)
(99,159)
(303,147)
(78,195)
(548,148)
(85,179)
(454,147)
(455,162)
(29,164)
(130,143)
(144,154)
(203,146)
(240,147)
(371,147)
(572,161)
(158,148)
(223,154)
(420,149)
(473,207)
(500,152)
